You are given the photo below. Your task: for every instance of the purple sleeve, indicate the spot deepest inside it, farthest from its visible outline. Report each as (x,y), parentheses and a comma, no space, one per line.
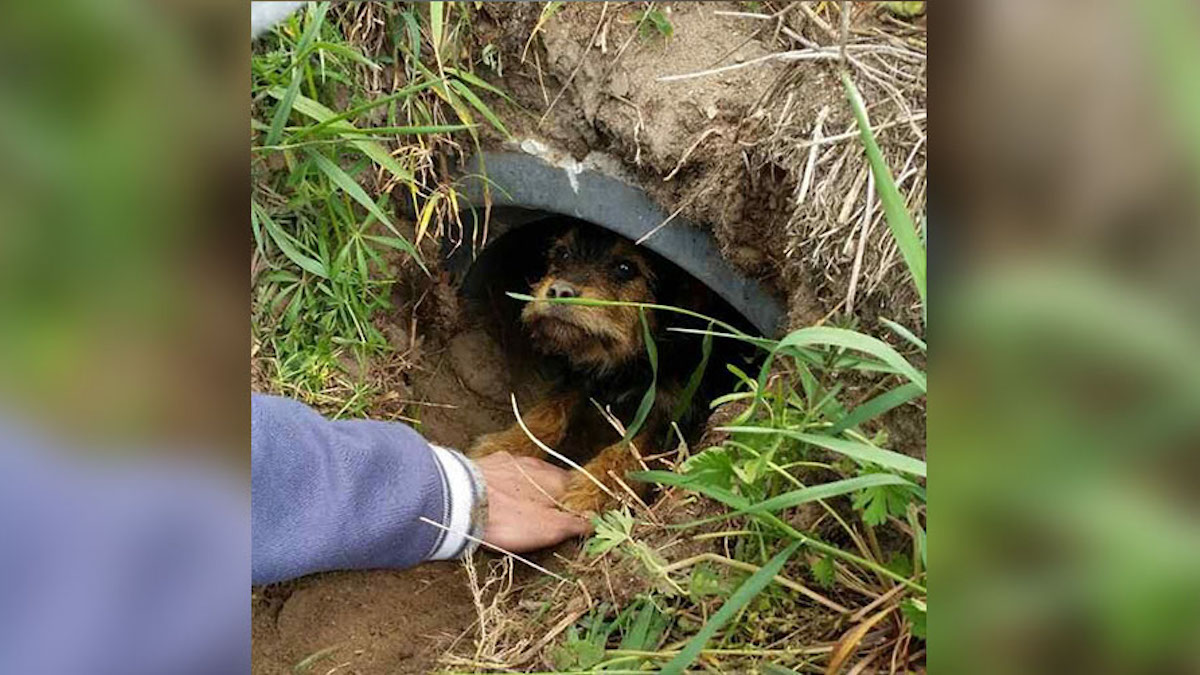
(123,565)
(349,494)
(119,563)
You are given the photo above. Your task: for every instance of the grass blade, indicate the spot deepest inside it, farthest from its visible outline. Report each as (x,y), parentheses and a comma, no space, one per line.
(876,406)
(476,81)
(646,630)
(840,337)
(427,215)
(479,105)
(743,595)
(346,183)
(397,131)
(287,244)
(375,151)
(898,219)
(862,452)
(689,391)
(333,118)
(761,343)
(825,491)
(905,333)
(343,50)
(647,403)
(284,109)
(597,302)
(436,11)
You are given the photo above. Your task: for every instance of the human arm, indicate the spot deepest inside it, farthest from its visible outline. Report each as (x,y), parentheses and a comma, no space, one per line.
(350,494)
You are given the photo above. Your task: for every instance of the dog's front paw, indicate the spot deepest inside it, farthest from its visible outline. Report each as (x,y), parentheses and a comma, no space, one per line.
(585,497)
(488,444)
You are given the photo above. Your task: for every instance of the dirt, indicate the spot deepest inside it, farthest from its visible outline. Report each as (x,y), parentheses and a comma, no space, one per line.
(724,149)
(697,145)
(700,146)
(362,622)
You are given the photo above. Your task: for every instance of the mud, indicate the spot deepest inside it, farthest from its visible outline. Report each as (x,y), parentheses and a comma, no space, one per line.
(691,143)
(700,146)
(388,621)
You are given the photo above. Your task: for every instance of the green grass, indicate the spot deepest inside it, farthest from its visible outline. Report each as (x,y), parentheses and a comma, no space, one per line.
(799,439)
(796,441)
(331,164)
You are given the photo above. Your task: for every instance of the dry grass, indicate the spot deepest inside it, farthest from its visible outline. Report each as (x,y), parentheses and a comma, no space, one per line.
(521,626)
(833,231)
(835,228)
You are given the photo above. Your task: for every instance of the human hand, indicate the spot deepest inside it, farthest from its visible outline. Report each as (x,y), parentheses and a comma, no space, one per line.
(522,517)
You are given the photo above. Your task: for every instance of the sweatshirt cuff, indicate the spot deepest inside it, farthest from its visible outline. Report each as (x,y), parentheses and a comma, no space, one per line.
(464,509)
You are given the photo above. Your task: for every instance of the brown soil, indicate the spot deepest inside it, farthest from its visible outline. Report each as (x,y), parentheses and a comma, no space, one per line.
(698,145)
(361,622)
(722,149)
(399,621)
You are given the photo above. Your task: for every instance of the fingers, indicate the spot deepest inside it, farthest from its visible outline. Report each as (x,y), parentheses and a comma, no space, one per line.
(568,524)
(523,498)
(557,526)
(550,478)
(528,529)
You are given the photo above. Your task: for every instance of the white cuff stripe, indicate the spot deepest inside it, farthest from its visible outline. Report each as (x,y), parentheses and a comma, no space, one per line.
(445,515)
(460,498)
(478,515)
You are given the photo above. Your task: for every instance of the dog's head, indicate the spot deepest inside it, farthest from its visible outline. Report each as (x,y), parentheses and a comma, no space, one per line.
(592,264)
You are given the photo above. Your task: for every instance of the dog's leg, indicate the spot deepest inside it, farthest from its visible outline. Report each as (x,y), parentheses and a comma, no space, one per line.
(547,421)
(583,495)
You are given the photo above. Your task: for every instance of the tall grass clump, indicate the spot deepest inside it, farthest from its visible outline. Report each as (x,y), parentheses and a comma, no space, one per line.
(347,161)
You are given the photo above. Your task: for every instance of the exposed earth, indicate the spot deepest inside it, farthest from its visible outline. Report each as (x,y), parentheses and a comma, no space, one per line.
(715,148)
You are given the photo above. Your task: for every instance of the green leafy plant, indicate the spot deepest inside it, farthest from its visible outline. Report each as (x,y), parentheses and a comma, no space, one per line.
(801,440)
(905,8)
(823,571)
(915,611)
(652,23)
(331,161)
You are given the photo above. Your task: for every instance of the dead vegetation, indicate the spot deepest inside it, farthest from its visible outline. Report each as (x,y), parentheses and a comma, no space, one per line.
(733,118)
(737,122)
(780,174)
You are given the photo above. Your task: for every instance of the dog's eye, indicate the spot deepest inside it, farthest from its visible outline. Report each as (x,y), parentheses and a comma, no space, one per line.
(562,254)
(625,270)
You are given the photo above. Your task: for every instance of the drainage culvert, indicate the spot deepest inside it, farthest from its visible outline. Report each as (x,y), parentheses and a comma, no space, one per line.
(527,191)
(533,202)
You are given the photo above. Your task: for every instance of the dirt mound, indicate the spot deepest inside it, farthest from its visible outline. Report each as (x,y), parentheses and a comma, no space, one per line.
(719,127)
(364,622)
(745,150)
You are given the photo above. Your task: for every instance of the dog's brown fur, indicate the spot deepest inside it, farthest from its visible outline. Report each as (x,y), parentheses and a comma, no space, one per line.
(606,353)
(600,338)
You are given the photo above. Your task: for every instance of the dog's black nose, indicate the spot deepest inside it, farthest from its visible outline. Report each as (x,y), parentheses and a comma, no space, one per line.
(561,289)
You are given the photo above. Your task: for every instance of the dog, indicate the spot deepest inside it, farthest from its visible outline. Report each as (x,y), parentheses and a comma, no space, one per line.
(603,353)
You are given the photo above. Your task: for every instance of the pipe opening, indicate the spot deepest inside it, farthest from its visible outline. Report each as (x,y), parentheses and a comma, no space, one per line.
(516,259)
